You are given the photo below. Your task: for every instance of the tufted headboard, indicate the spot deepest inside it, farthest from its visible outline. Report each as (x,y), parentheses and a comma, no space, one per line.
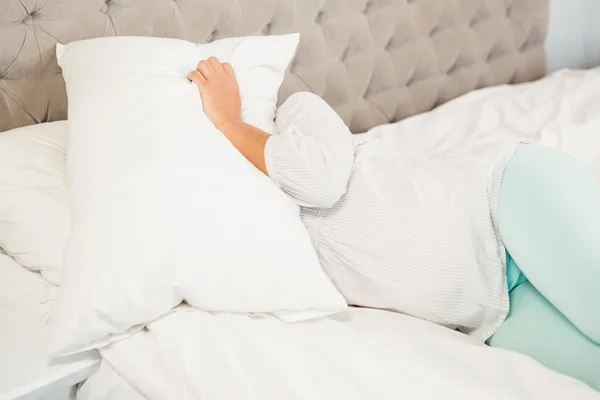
(373,61)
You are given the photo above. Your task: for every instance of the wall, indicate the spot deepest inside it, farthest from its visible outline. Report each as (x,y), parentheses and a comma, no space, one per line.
(574,34)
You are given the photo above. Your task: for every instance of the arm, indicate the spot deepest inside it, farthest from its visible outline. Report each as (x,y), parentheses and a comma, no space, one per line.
(311,159)
(249,140)
(222,105)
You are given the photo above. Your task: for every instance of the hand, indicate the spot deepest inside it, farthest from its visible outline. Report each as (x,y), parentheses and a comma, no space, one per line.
(219,91)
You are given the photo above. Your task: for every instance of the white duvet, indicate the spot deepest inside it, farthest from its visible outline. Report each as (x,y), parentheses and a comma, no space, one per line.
(361,353)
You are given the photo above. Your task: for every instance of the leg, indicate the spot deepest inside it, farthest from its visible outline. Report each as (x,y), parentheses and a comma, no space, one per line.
(549,220)
(536,328)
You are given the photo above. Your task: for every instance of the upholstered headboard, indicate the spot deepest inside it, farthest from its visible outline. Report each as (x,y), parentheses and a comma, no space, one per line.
(373,61)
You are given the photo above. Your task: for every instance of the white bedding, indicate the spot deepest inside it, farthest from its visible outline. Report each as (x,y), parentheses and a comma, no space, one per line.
(23,293)
(25,371)
(359,354)
(367,354)
(561,110)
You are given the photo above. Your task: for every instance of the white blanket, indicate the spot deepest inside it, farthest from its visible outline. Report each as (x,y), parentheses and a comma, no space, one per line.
(561,110)
(359,354)
(369,354)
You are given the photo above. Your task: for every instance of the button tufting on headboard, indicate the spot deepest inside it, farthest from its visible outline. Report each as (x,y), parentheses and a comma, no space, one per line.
(374,61)
(210,37)
(319,16)
(267,29)
(28,20)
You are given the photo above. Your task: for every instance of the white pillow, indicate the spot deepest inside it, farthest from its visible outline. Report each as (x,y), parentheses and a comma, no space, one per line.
(164,208)
(35,219)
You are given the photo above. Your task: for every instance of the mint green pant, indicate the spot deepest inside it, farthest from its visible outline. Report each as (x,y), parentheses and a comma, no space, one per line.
(549,221)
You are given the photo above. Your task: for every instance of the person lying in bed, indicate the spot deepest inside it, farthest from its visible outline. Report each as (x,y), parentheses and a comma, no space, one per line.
(445,238)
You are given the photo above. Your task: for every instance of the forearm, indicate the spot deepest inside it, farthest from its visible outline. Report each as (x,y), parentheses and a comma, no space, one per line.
(249,140)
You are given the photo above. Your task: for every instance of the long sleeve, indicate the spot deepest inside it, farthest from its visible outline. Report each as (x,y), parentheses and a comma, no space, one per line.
(311,159)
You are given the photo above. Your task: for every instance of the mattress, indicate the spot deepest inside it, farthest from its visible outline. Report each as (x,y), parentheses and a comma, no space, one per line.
(25,372)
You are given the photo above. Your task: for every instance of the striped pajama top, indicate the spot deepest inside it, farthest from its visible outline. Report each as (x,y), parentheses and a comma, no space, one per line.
(417,236)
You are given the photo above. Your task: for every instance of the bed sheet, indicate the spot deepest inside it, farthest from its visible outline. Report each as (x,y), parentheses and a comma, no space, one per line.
(25,372)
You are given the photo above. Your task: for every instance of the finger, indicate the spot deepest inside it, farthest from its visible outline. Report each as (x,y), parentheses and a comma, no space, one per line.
(228,69)
(206,69)
(216,64)
(197,78)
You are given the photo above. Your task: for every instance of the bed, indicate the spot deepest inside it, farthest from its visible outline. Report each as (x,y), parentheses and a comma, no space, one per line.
(377,63)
